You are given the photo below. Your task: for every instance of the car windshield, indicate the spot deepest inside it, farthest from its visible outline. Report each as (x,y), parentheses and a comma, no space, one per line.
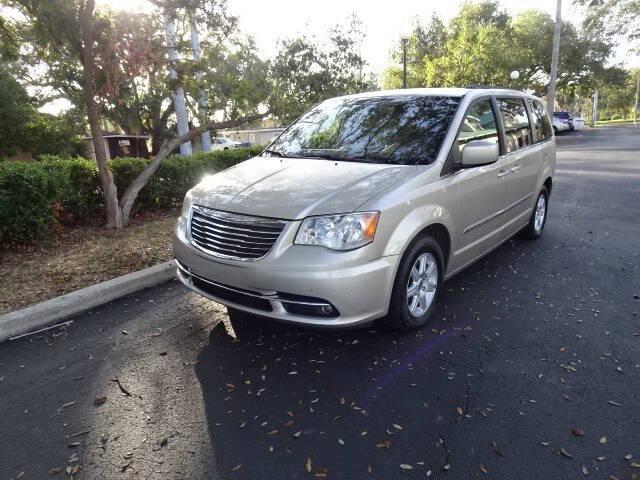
(401,129)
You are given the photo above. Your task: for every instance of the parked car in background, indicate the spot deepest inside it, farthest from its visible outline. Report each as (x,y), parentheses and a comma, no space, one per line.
(578,123)
(363,207)
(563,118)
(224,143)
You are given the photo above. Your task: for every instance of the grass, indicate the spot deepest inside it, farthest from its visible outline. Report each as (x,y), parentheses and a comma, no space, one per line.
(620,120)
(80,257)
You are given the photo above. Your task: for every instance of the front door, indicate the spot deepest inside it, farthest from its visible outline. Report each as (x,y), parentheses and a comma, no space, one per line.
(481,191)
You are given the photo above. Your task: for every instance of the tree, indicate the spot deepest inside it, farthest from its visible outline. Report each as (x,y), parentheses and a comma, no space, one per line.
(483,44)
(70,37)
(306,71)
(426,41)
(22,127)
(612,17)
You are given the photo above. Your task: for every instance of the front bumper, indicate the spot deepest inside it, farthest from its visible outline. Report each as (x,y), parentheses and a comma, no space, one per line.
(358,287)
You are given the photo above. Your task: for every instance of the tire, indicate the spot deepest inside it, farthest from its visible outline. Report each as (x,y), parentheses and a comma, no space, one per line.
(534,228)
(403,315)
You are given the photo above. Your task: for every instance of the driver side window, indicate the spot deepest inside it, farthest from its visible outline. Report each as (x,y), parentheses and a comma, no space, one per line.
(479,124)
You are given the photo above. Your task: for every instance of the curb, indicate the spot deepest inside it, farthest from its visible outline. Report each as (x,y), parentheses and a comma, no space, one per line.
(47,313)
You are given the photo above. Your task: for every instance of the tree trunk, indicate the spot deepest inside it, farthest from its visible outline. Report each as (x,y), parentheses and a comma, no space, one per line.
(112,208)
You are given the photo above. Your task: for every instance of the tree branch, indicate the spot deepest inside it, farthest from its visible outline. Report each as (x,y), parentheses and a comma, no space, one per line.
(130,195)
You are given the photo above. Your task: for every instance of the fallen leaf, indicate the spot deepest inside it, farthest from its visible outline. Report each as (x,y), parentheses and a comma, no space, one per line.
(405,466)
(297,434)
(584,470)
(565,453)
(237,467)
(340,441)
(99,401)
(578,432)
(307,465)
(459,410)
(396,426)
(384,444)
(603,439)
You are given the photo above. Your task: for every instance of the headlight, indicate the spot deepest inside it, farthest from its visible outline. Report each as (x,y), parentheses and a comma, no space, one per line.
(339,232)
(186,204)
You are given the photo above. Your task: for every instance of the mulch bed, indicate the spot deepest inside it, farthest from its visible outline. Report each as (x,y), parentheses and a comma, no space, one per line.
(82,256)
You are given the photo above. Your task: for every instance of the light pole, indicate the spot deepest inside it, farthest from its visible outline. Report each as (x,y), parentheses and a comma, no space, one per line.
(404,39)
(515,75)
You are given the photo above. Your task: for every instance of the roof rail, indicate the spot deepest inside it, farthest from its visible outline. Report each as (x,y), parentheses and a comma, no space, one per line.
(475,86)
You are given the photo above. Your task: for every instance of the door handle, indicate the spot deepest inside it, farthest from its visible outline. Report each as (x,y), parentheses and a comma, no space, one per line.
(515,168)
(503,173)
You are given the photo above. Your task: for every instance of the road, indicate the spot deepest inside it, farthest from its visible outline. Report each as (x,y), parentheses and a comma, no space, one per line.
(531,370)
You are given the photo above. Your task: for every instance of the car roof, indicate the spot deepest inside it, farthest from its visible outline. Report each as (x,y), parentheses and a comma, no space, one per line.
(440,92)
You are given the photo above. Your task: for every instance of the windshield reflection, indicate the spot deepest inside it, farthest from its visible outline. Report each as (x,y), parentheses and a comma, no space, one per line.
(399,129)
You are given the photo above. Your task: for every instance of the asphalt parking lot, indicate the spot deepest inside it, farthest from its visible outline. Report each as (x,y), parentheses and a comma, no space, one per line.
(531,371)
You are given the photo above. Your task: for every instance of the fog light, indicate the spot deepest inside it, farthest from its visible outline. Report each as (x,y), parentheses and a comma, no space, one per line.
(327,309)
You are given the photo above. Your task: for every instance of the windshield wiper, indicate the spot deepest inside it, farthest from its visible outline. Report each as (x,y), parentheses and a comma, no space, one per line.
(275,153)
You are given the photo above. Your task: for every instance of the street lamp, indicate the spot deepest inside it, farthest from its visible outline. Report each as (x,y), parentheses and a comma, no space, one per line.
(404,40)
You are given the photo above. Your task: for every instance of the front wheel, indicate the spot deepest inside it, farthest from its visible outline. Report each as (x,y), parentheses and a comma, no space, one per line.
(538,217)
(417,286)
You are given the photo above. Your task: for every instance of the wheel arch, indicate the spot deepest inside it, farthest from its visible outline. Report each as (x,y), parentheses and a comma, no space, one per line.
(439,227)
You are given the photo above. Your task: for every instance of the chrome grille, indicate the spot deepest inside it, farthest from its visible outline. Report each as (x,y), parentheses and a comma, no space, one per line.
(231,235)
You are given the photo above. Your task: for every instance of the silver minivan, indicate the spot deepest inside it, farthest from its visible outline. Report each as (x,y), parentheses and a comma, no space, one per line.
(364,206)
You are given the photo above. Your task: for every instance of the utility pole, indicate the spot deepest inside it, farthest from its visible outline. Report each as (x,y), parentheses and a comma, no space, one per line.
(555,55)
(594,116)
(179,103)
(635,105)
(205,137)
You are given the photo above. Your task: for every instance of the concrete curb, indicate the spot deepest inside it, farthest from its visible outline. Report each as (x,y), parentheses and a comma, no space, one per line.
(52,311)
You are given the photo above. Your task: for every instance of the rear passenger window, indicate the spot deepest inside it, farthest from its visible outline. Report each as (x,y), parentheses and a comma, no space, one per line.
(516,123)
(540,121)
(478,124)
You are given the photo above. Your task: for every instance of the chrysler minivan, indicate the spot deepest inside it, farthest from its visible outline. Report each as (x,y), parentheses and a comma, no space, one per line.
(363,207)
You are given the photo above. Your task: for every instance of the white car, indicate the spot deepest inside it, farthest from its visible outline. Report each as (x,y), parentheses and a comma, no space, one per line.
(560,125)
(223,143)
(578,123)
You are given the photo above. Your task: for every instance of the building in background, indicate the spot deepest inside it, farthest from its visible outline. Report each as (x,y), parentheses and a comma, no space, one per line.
(253,136)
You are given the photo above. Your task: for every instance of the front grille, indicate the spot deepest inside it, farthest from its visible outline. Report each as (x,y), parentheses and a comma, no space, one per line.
(230,235)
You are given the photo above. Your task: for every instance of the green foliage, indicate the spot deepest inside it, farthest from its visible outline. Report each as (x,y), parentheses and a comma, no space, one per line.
(305,72)
(37,195)
(483,44)
(22,127)
(26,194)
(15,111)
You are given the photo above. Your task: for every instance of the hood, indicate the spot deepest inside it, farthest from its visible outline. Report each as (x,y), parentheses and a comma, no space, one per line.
(294,188)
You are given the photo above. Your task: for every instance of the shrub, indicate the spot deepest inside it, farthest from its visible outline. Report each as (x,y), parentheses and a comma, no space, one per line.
(36,195)
(26,195)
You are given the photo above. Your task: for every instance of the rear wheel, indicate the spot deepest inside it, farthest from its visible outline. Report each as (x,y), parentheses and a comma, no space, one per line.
(417,286)
(538,217)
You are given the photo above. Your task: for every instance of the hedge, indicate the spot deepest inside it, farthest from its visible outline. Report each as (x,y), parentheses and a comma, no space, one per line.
(36,196)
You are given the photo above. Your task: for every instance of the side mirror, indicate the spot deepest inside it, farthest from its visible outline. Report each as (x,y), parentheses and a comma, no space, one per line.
(479,152)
